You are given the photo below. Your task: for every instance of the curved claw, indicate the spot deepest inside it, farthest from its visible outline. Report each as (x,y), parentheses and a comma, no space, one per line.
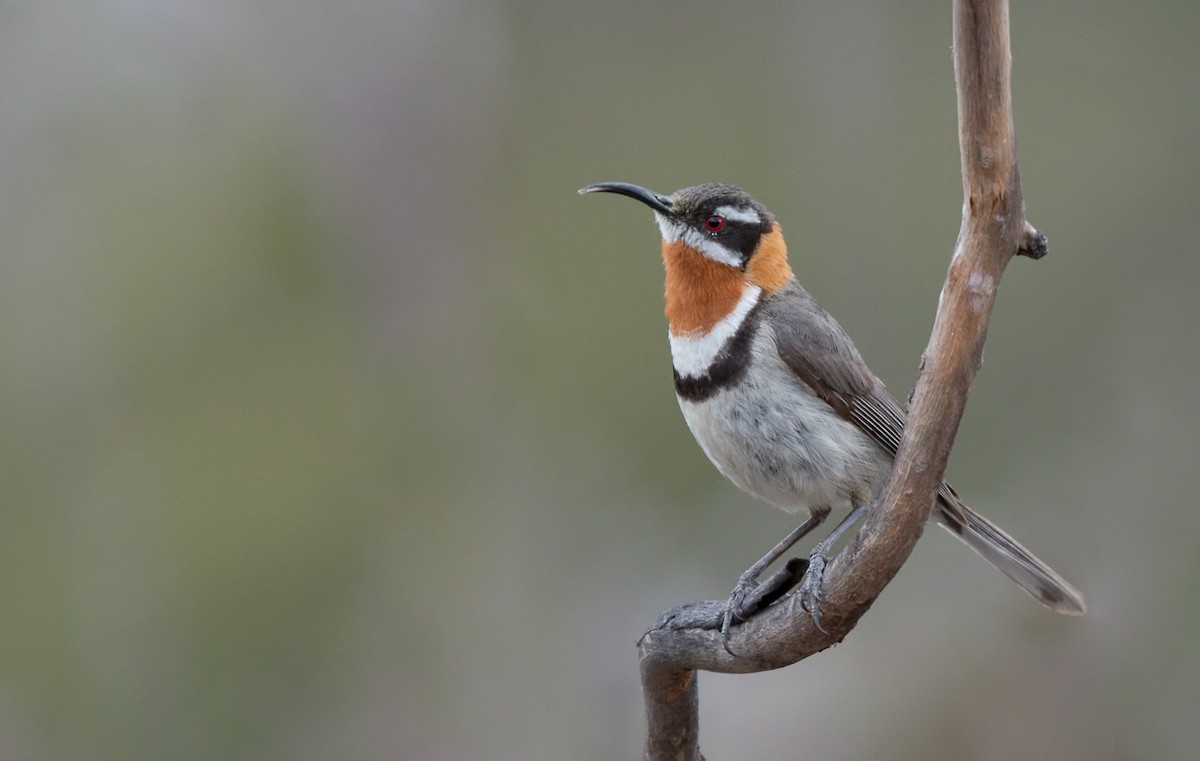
(726,628)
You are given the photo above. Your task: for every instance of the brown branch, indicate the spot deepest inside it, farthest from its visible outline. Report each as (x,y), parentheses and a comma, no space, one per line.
(993,230)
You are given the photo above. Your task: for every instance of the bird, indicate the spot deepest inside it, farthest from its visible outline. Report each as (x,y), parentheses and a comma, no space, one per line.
(778,397)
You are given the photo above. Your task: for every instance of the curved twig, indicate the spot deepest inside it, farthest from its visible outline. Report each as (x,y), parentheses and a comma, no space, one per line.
(993,231)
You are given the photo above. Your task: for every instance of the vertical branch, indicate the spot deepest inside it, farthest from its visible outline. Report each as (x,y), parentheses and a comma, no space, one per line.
(983,67)
(672,710)
(993,230)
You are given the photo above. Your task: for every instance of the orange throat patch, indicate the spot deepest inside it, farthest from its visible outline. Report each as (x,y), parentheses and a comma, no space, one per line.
(701,292)
(768,267)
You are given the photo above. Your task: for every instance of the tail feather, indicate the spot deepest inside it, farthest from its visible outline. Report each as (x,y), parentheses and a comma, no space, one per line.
(1002,551)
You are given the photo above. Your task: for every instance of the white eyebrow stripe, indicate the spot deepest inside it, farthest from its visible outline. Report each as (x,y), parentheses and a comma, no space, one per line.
(749,216)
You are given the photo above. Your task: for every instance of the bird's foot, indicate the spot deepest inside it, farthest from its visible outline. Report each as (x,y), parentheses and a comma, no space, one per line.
(750,596)
(811,594)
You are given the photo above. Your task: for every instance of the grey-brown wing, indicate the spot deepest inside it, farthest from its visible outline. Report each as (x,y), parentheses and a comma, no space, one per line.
(820,353)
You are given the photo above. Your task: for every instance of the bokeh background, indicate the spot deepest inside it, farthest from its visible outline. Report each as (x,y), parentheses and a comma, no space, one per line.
(333,424)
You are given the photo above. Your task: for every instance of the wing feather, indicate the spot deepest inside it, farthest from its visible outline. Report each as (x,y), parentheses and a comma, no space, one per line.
(816,348)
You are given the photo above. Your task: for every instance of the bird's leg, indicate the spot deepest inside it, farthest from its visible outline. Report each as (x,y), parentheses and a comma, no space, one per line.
(811,595)
(748,596)
(775,586)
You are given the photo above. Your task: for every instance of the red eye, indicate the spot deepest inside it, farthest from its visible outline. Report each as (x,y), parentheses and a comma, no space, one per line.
(715,224)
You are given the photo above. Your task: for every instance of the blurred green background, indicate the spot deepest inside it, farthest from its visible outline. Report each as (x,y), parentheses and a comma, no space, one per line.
(333,424)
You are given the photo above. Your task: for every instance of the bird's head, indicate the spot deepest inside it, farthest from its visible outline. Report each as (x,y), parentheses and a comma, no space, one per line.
(717,242)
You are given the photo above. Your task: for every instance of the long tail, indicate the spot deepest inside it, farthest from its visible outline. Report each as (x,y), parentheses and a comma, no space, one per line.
(1002,551)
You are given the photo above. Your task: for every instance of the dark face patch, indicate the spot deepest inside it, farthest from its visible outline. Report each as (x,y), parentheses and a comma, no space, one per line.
(697,208)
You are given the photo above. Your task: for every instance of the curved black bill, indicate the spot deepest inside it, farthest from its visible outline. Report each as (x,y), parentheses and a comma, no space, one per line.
(656,201)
